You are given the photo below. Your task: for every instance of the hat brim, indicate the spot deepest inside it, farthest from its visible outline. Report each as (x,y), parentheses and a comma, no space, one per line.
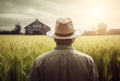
(74,35)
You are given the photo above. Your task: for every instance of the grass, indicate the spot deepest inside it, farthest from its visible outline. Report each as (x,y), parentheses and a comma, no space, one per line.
(17,53)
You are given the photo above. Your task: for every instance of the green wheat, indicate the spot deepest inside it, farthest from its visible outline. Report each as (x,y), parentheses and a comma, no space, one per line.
(17,53)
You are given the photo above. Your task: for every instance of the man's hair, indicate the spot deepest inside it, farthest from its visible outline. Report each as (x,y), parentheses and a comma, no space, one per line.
(64,41)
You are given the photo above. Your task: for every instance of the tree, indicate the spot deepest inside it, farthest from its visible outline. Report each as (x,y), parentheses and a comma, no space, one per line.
(17,29)
(102,28)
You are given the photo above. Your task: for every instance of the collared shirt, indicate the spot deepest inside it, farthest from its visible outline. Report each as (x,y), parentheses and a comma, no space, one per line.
(64,64)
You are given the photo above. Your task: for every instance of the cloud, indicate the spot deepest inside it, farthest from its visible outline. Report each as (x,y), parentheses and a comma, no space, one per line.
(13,16)
(63,1)
(24,10)
(47,11)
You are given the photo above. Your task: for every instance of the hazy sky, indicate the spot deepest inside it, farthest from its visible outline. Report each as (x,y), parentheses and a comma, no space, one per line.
(86,14)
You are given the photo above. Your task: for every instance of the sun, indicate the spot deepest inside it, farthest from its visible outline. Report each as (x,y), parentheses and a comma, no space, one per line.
(96,12)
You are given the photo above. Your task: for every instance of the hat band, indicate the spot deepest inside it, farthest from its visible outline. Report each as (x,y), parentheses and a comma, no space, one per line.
(64,34)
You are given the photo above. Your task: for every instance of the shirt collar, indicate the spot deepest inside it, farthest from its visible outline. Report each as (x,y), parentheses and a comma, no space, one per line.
(63,47)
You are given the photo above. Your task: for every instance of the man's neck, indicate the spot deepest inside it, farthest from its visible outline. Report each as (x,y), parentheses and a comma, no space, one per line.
(63,47)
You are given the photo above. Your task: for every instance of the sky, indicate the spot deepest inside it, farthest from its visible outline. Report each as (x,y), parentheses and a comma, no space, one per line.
(85,14)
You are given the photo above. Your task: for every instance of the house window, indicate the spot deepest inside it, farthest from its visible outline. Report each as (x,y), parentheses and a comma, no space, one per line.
(36,26)
(44,26)
(39,26)
(33,26)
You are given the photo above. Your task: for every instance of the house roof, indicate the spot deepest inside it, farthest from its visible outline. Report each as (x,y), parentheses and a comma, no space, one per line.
(114,30)
(36,21)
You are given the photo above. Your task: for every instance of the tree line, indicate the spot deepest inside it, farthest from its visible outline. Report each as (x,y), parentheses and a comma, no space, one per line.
(102,30)
(16,30)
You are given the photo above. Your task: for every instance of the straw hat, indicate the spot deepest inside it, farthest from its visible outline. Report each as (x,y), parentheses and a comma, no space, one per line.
(64,30)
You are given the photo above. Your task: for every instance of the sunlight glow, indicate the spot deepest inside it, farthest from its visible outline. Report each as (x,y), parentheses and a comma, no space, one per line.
(96,15)
(96,12)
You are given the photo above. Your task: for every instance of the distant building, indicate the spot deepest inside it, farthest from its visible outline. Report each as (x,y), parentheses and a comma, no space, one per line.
(89,33)
(114,32)
(36,28)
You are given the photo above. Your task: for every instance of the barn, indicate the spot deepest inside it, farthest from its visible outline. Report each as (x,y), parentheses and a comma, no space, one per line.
(36,28)
(114,32)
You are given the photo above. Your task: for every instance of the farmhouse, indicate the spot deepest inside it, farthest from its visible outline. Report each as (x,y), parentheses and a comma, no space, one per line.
(36,28)
(114,32)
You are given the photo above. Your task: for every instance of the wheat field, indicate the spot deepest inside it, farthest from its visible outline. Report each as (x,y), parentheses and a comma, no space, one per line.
(17,53)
